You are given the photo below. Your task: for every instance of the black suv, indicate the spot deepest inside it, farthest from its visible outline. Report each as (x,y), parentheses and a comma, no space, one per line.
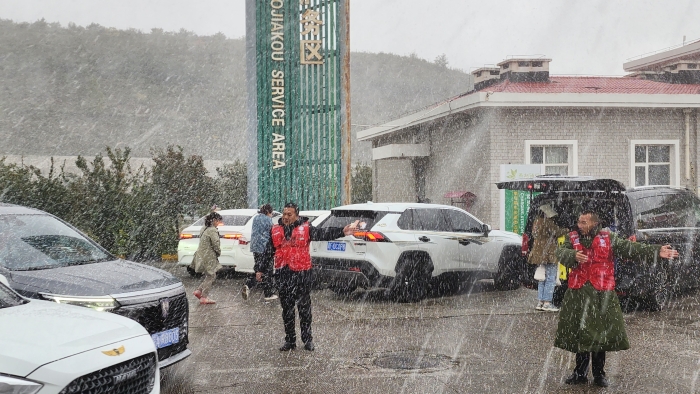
(658,215)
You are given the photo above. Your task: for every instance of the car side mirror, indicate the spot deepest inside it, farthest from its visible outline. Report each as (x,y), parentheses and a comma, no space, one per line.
(4,281)
(486,229)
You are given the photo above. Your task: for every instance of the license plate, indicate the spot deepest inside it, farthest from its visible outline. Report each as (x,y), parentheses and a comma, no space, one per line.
(336,246)
(166,338)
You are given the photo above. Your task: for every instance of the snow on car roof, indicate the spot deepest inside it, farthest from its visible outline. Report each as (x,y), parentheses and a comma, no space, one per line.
(390,206)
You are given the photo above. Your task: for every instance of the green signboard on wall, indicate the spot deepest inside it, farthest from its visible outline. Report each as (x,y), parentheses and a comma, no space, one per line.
(515,203)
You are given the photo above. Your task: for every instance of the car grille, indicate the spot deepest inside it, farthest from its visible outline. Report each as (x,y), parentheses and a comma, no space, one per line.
(150,316)
(134,376)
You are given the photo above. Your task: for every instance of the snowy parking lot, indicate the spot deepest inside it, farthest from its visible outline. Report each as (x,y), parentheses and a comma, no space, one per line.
(472,341)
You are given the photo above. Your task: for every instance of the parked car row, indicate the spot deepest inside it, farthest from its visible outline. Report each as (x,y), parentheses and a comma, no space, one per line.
(655,215)
(73,316)
(406,248)
(235,238)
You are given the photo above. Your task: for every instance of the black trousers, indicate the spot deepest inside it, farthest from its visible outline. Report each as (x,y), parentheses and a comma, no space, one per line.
(583,359)
(263,263)
(295,291)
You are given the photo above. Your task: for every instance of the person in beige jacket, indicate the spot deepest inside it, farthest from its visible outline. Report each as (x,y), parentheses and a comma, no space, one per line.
(206,258)
(545,233)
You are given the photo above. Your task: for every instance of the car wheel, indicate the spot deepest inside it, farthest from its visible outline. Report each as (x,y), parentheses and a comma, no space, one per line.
(510,267)
(559,291)
(342,291)
(192,273)
(658,298)
(412,280)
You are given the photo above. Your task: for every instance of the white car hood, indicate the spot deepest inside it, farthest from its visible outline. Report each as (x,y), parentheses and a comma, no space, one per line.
(41,332)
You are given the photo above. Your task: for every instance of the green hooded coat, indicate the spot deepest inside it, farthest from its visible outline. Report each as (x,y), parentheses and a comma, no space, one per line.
(591,320)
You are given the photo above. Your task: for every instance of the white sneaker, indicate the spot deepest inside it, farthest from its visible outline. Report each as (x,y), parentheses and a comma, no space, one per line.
(549,307)
(272,297)
(245,292)
(539,306)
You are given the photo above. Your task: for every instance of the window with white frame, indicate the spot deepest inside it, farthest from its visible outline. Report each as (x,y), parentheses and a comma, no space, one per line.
(654,163)
(557,156)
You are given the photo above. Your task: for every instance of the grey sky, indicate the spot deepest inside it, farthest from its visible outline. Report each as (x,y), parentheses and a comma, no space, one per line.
(592,37)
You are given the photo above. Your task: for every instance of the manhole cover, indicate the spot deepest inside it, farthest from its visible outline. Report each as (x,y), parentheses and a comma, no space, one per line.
(409,361)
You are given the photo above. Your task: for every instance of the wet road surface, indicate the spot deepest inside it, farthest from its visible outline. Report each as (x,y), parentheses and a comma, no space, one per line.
(476,340)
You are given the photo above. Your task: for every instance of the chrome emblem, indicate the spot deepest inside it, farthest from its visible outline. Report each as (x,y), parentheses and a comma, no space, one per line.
(125,376)
(165,307)
(114,352)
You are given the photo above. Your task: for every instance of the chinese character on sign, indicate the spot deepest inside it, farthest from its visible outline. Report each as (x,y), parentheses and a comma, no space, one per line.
(310,22)
(311,52)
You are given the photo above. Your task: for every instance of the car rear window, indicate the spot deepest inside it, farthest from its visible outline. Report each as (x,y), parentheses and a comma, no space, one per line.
(29,242)
(229,220)
(342,218)
(666,210)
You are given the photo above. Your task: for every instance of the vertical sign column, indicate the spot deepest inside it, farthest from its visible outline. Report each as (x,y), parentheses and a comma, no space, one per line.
(277,79)
(299,96)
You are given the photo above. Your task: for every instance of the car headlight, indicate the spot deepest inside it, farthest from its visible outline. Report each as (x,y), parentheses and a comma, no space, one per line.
(12,385)
(103,303)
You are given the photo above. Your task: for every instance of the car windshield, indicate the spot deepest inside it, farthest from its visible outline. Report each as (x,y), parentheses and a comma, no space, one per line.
(9,298)
(666,210)
(342,218)
(30,242)
(229,220)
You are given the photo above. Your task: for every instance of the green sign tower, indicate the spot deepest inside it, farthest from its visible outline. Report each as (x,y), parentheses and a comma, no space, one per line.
(299,133)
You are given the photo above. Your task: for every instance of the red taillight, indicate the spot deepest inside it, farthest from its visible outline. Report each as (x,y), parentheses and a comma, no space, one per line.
(186,236)
(232,236)
(525,246)
(371,236)
(242,241)
(355,269)
(633,238)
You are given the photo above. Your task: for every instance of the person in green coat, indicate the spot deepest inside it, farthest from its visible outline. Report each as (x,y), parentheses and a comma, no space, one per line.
(206,258)
(591,321)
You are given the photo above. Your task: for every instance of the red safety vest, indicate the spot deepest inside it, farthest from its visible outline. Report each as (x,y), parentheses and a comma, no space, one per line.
(292,252)
(599,269)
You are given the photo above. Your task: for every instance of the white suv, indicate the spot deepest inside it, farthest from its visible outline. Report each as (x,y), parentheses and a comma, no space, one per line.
(241,248)
(408,247)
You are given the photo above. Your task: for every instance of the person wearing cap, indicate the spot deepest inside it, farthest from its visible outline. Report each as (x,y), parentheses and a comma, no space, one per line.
(591,321)
(544,246)
(263,252)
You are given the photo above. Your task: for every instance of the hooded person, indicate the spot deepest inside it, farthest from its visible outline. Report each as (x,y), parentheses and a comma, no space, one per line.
(591,321)
(545,233)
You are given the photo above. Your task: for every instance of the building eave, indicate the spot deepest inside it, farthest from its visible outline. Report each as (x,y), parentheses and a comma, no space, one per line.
(660,59)
(484,99)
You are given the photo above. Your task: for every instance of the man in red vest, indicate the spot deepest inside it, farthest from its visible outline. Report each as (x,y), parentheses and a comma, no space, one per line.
(291,239)
(591,321)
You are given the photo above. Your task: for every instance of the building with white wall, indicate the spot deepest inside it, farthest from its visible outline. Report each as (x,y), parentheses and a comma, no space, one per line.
(641,129)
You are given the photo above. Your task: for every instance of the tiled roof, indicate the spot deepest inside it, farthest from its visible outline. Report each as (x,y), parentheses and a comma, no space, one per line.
(622,85)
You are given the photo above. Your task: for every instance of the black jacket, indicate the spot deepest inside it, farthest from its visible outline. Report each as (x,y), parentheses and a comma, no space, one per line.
(315,233)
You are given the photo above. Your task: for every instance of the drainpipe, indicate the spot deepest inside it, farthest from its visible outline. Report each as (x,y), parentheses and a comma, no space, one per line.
(687,113)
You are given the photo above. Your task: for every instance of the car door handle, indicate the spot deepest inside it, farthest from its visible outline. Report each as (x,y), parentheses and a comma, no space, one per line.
(424,239)
(464,242)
